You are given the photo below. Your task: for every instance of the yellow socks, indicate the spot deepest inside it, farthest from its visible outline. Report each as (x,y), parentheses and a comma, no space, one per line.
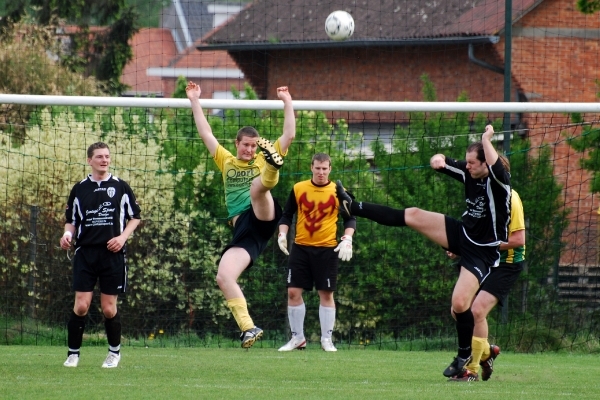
(239,309)
(478,346)
(269,176)
(486,351)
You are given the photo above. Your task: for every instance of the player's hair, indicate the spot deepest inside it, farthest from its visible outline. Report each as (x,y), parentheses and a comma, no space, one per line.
(478,148)
(95,146)
(505,162)
(246,131)
(321,157)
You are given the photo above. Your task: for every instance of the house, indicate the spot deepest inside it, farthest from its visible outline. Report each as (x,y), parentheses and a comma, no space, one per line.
(460,45)
(162,55)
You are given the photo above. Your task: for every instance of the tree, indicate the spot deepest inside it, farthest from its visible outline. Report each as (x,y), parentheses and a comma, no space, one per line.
(590,136)
(588,6)
(102,53)
(589,143)
(26,68)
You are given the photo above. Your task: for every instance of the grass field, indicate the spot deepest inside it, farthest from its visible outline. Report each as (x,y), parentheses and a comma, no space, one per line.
(36,372)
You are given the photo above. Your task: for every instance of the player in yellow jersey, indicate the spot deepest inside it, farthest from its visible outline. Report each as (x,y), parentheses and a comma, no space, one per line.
(248,179)
(314,256)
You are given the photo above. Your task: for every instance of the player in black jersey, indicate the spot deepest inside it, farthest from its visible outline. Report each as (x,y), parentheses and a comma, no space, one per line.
(476,237)
(101,215)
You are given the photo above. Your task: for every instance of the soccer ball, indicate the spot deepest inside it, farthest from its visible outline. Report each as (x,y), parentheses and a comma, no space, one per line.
(339,25)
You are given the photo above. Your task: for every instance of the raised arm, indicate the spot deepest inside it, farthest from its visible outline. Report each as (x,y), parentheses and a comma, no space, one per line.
(289,119)
(438,161)
(491,156)
(193,92)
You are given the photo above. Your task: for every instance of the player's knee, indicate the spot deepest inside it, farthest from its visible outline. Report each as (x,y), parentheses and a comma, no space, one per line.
(109,311)
(294,295)
(81,308)
(460,305)
(222,279)
(479,312)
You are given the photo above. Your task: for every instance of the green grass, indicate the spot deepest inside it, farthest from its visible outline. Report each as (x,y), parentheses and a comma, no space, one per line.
(36,372)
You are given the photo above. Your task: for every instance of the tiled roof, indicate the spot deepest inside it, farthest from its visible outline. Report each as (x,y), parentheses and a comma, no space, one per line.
(192,58)
(154,48)
(277,21)
(486,17)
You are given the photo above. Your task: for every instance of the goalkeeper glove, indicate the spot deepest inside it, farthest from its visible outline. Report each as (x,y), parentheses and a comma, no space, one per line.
(282,242)
(345,248)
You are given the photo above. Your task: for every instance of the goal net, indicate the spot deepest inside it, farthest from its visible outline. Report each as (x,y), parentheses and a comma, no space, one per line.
(395,291)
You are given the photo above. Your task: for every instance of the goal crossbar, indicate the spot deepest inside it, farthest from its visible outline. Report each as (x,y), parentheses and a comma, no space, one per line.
(307,105)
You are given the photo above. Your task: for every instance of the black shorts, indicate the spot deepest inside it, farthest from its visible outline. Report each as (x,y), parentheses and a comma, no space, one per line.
(252,234)
(93,263)
(312,266)
(502,279)
(479,260)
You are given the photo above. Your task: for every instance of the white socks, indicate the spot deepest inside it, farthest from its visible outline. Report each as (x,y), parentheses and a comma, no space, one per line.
(327,318)
(296,316)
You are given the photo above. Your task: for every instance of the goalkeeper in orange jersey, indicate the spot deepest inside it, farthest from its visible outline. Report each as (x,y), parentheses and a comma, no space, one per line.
(314,256)
(248,178)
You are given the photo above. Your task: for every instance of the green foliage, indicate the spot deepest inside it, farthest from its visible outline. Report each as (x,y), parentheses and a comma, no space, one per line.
(588,6)
(101,53)
(180,85)
(532,177)
(150,11)
(25,68)
(588,143)
(114,51)
(171,255)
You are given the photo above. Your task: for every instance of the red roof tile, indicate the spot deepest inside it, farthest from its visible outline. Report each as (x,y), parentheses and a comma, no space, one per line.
(277,21)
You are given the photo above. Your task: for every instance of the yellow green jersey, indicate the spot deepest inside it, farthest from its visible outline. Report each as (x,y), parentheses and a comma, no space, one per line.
(238,176)
(517,223)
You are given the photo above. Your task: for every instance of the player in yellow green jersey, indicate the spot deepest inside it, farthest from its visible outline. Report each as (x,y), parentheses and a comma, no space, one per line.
(248,178)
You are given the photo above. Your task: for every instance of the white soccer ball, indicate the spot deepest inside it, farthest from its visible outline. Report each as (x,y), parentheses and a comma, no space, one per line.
(339,25)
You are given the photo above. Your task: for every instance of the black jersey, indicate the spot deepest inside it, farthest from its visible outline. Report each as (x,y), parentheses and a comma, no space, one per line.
(485,222)
(99,210)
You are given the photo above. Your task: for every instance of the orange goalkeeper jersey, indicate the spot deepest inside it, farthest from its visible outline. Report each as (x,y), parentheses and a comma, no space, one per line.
(317,214)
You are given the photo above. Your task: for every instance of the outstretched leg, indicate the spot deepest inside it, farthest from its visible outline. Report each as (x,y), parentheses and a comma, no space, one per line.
(430,224)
